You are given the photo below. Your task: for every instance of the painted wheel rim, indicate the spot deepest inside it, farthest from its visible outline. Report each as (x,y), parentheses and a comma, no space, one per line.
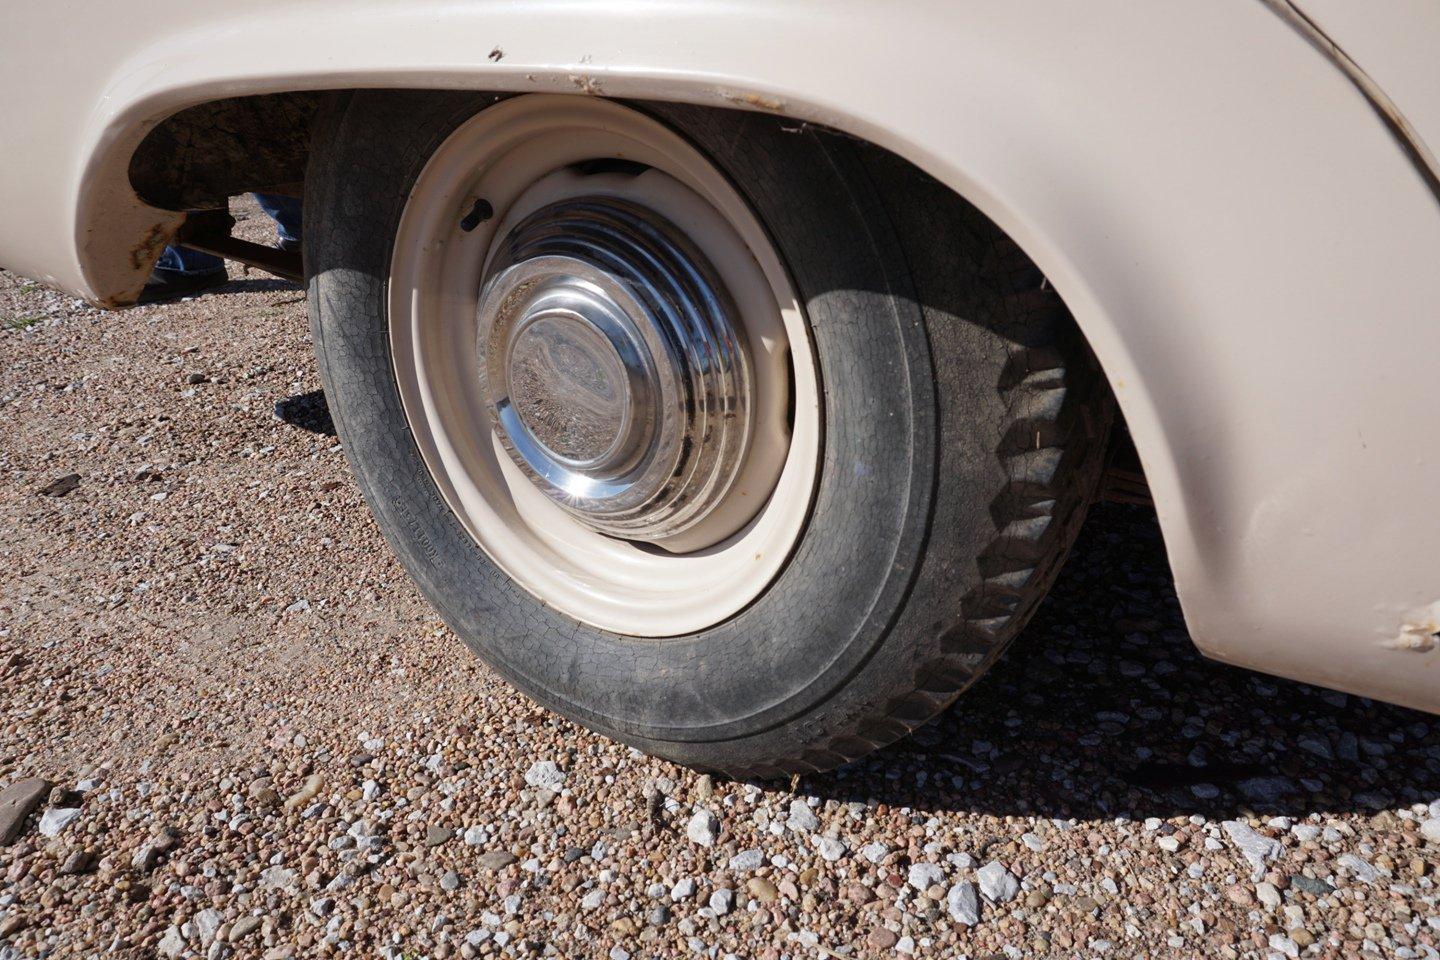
(604,364)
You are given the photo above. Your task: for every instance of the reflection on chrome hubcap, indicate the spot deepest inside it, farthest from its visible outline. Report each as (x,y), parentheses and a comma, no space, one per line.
(613,368)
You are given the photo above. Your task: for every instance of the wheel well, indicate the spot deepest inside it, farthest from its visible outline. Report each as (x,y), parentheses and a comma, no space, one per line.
(195,159)
(199,157)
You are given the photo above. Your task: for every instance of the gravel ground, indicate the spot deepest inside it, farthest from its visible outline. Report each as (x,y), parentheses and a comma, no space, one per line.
(264,743)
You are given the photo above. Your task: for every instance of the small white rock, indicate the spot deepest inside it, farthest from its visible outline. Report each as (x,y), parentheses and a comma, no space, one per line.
(1364,871)
(747,860)
(997,884)
(1255,847)
(1282,943)
(173,943)
(703,828)
(963,902)
(875,852)
(829,848)
(923,876)
(545,774)
(802,819)
(55,819)
(207,922)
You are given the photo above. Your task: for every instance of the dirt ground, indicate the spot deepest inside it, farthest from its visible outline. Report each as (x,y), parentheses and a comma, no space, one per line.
(273,747)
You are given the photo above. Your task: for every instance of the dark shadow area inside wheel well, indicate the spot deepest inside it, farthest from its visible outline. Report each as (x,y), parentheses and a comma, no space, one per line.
(196,158)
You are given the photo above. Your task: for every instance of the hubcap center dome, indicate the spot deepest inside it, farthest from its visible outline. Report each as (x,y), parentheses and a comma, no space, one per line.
(569,388)
(616,376)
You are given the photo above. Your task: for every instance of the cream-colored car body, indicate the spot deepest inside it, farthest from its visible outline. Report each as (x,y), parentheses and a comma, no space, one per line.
(1248,238)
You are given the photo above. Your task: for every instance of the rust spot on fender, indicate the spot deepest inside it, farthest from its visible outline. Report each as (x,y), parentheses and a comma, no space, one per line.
(756,100)
(1419,634)
(586,84)
(147,251)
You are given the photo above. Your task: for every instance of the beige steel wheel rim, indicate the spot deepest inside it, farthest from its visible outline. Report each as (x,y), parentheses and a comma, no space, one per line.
(678,569)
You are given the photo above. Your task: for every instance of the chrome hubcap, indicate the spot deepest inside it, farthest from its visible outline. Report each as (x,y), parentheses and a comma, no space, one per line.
(614,370)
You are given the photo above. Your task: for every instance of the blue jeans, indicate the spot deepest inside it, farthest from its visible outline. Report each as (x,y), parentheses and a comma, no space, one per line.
(285,211)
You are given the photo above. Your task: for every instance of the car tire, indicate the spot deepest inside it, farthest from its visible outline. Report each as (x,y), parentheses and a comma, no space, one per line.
(962,430)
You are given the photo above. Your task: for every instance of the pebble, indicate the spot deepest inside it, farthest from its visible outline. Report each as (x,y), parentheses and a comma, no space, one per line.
(830,848)
(56,819)
(278,878)
(172,944)
(308,791)
(703,828)
(1363,870)
(747,860)
(963,902)
(762,890)
(16,802)
(496,859)
(1257,849)
(1283,944)
(546,775)
(997,883)
(722,900)
(207,923)
(924,875)
(243,927)
(881,939)
(875,851)
(684,889)
(801,819)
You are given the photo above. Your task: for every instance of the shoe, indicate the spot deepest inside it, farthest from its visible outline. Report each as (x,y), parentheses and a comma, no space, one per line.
(170,284)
